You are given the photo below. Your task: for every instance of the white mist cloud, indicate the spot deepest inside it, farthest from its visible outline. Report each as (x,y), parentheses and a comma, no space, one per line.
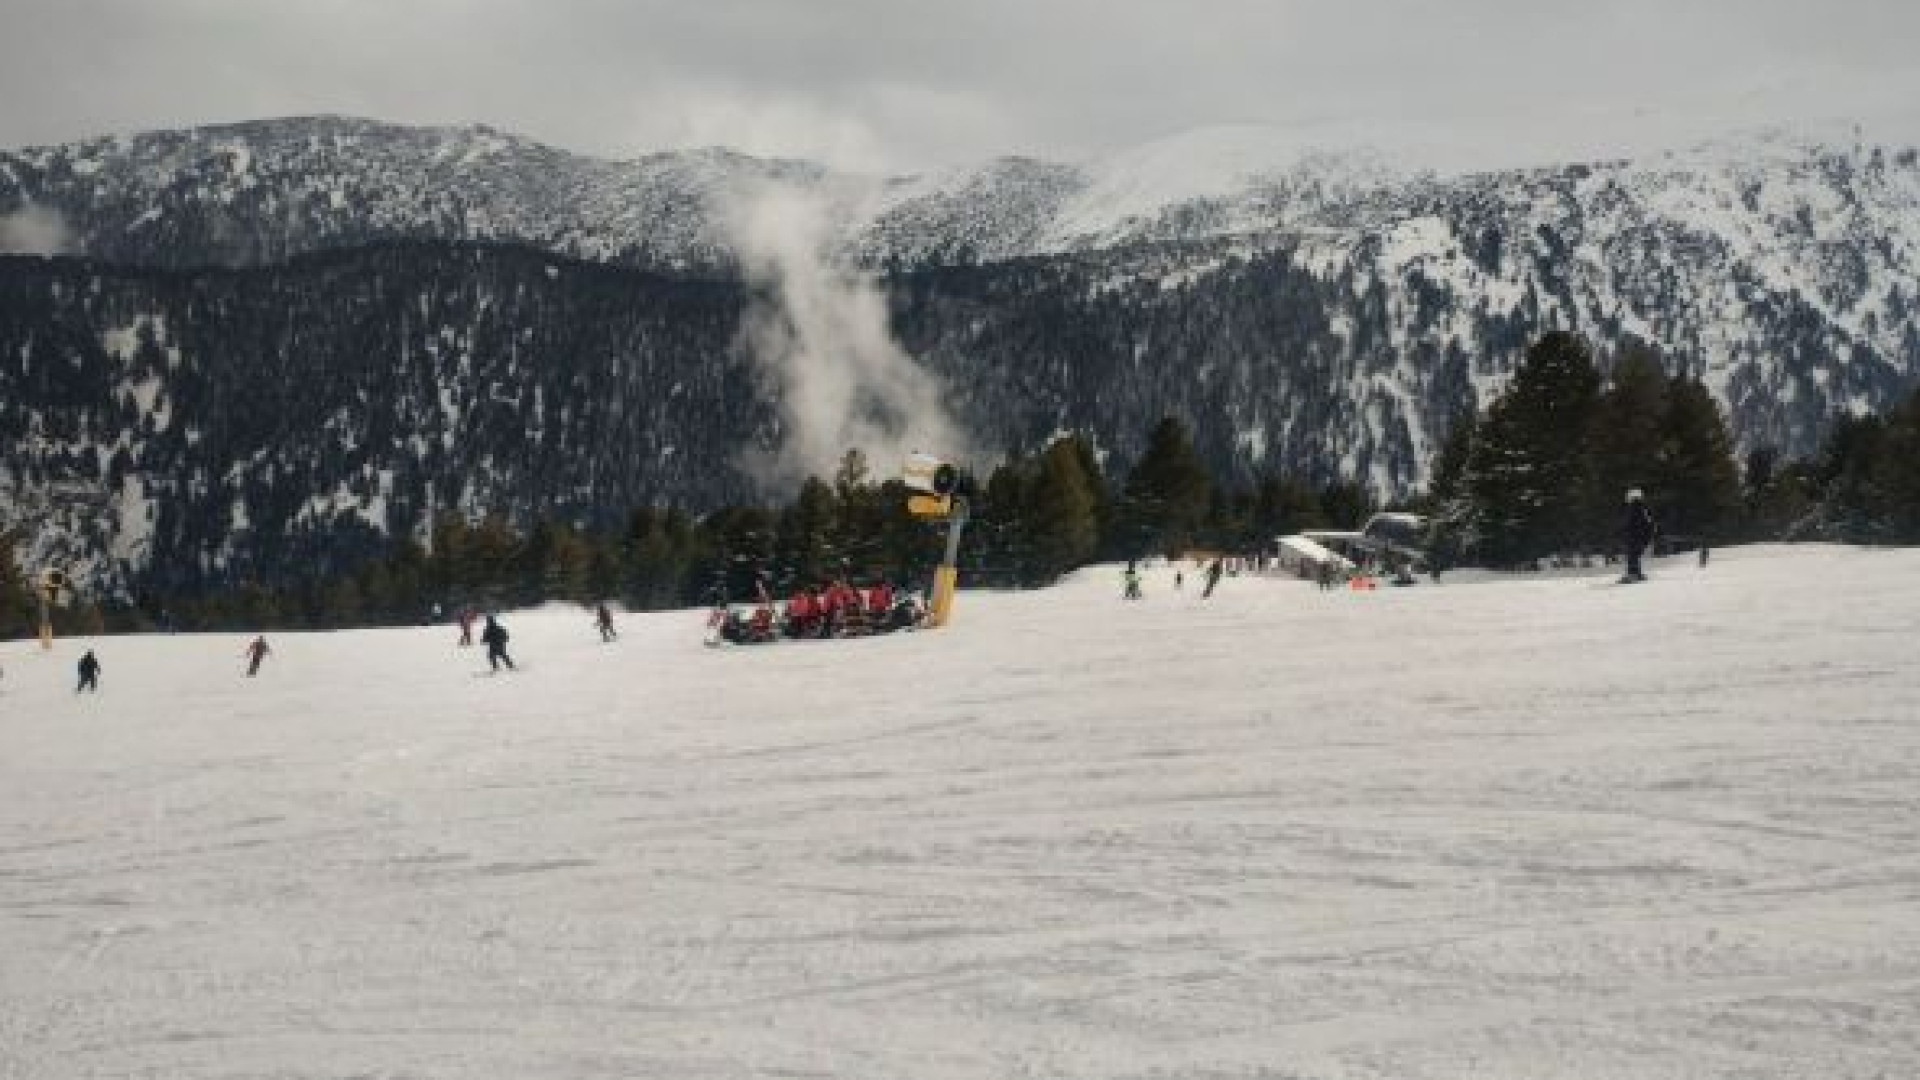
(35,230)
(821,337)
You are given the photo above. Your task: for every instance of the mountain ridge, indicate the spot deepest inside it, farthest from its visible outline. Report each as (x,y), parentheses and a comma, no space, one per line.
(1328,321)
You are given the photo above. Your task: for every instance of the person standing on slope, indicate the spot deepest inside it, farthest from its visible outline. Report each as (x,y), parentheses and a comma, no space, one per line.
(466,626)
(1638,530)
(603,621)
(1214,570)
(255,653)
(495,639)
(89,673)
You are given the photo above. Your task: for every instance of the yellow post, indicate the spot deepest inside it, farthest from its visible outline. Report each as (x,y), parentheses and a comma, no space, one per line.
(945,578)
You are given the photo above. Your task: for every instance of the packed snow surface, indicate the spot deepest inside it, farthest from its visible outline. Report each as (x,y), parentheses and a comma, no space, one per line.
(1528,828)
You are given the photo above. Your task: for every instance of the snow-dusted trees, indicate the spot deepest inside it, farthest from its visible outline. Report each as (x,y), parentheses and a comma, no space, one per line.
(1545,470)
(1529,477)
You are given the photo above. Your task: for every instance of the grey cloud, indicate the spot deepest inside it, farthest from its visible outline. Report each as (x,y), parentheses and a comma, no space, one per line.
(897,84)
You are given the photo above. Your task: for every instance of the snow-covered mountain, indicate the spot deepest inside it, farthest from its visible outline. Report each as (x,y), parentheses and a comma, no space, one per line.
(1315,311)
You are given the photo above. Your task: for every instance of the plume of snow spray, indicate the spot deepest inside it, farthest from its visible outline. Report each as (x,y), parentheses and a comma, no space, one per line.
(819,333)
(34,230)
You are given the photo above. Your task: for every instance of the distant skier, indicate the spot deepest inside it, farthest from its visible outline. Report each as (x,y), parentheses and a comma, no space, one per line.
(603,621)
(1638,530)
(466,626)
(1132,584)
(1703,554)
(1179,580)
(89,673)
(255,653)
(495,638)
(1214,570)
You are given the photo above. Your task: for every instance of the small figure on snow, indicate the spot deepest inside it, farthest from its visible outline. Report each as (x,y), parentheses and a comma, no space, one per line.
(495,639)
(1214,570)
(89,673)
(1179,580)
(466,626)
(603,622)
(1703,554)
(255,653)
(1639,530)
(1132,584)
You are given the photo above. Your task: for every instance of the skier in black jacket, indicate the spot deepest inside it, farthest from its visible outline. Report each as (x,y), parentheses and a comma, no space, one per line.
(89,673)
(495,639)
(1214,570)
(1638,531)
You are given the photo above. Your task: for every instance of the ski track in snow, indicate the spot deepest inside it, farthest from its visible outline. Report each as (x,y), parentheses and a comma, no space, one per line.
(1526,828)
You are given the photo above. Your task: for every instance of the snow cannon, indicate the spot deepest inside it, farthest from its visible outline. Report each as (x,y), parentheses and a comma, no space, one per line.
(52,584)
(936,481)
(941,494)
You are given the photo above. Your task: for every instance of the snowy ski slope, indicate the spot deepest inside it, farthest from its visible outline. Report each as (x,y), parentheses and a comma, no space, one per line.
(1530,829)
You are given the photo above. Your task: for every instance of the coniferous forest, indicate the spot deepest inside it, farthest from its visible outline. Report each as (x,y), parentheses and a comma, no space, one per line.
(1539,474)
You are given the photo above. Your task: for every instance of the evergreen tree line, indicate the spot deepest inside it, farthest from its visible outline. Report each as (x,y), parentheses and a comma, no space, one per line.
(1035,517)
(1544,470)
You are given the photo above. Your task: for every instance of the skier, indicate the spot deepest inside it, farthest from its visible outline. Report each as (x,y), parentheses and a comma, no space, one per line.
(1638,529)
(89,673)
(1132,580)
(495,638)
(1703,554)
(1179,580)
(1214,570)
(603,621)
(254,654)
(466,626)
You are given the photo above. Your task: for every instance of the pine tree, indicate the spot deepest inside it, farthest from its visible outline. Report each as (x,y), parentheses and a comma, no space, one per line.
(1283,505)
(15,600)
(1854,505)
(805,552)
(1529,474)
(1083,451)
(1775,500)
(1450,463)
(1628,437)
(1062,512)
(1451,529)
(1696,492)
(996,541)
(1166,495)
(1900,471)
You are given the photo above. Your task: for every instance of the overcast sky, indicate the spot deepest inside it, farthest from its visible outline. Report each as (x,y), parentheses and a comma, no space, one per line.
(905,84)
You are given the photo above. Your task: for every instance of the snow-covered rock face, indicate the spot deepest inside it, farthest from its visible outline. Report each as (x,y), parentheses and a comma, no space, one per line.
(1309,309)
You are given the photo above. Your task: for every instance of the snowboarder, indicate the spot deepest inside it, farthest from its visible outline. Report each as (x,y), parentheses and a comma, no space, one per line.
(1214,570)
(255,653)
(89,673)
(495,638)
(603,621)
(1638,529)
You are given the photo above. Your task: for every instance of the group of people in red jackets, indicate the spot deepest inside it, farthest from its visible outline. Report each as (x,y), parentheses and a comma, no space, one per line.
(840,610)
